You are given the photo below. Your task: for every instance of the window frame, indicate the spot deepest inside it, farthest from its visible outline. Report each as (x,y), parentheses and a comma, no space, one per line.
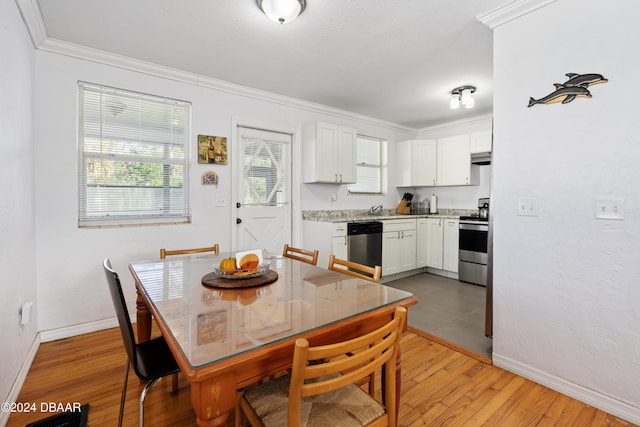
(380,166)
(87,219)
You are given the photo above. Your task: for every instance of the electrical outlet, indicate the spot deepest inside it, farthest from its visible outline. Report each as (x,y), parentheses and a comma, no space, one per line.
(221,202)
(609,209)
(333,197)
(528,206)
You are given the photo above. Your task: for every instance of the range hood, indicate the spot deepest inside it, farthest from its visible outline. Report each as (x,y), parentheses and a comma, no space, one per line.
(481,158)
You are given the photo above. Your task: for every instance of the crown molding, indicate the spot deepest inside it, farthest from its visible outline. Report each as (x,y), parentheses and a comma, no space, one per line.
(32,18)
(461,122)
(119,61)
(510,11)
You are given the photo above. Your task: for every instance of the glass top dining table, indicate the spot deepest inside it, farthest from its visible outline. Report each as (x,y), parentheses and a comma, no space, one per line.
(210,324)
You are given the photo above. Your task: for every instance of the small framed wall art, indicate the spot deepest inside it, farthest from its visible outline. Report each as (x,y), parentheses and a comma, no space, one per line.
(209,178)
(212,149)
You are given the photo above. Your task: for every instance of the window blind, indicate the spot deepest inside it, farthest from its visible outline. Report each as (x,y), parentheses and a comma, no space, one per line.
(132,157)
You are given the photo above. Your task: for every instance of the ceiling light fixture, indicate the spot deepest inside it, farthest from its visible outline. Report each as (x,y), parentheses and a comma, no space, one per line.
(462,94)
(282,11)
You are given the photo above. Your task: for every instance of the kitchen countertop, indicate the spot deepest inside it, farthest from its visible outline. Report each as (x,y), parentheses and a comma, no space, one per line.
(352,215)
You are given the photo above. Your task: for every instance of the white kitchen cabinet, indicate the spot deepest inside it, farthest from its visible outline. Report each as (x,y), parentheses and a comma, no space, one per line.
(327,237)
(416,163)
(339,247)
(450,245)
(480,142)
(440,246)
(430,162)
(422,243)
(434,246)
(399,240)
(329,153)
(454,161)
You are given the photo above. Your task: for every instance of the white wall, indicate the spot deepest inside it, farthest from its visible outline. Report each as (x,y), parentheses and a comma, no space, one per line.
(17,224)
(566,288)
(71,286)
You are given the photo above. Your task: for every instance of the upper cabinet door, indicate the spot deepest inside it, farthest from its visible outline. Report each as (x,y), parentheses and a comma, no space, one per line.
(480,142)
(454,161)
(416,163)
(325,152)
(329,153)
(346,155)
(424,162)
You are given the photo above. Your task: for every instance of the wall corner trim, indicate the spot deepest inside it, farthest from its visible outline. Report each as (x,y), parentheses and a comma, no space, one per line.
(510,11)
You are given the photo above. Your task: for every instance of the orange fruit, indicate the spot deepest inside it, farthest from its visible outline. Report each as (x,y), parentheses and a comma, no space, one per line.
(249,261)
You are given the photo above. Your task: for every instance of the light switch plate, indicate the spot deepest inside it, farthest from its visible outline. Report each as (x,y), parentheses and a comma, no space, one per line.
(609,208)
(528,206)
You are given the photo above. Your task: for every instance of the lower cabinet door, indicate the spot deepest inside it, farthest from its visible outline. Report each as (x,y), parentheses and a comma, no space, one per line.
(435,235)
(390,253)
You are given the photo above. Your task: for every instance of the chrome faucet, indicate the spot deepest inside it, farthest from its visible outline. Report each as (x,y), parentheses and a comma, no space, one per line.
(375,209)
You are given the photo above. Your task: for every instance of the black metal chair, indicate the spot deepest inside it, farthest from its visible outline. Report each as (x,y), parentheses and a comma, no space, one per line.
(151,359)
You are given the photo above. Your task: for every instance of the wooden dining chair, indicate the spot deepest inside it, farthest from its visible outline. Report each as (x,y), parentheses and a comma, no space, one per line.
(151,359)
(355,269)
(310,257)
(165,253)
(320,389)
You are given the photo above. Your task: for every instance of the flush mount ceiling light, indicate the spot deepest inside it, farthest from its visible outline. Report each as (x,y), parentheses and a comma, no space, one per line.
(282,11)
(462,94)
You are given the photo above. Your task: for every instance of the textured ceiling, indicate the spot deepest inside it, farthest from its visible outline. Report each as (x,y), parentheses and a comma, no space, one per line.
(391,60)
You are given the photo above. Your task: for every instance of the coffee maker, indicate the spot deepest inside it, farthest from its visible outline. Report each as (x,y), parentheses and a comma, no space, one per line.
(483,208)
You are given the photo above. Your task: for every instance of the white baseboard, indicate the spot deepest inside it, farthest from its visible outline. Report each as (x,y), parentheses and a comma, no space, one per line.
(596,399)
(21,377)
(82,328)
(46,336)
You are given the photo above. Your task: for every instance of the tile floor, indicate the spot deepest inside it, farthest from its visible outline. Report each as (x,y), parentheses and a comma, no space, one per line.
(449,309)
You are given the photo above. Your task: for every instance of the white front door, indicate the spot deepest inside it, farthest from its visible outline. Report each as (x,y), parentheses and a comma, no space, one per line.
(263,199)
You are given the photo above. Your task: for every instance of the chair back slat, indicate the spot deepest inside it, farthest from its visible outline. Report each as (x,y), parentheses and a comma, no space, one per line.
(355,269)
(326,368)
(165,252)
(310,257)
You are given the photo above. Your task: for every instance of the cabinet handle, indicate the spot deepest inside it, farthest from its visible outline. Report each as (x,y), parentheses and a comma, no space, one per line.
(340,177)
(336,177)
(403,234)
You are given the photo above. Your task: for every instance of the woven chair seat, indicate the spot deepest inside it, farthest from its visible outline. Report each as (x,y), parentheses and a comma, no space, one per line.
(345,407)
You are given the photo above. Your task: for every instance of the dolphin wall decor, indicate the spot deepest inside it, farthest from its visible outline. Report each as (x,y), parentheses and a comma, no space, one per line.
(575,87)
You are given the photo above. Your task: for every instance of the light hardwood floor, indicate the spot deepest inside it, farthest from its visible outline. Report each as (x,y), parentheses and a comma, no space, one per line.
(440,387)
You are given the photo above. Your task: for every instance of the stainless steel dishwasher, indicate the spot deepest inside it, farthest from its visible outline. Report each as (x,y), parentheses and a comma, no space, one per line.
(364,242)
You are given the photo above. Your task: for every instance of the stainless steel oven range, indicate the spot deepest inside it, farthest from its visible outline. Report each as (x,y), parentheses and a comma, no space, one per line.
(473,245)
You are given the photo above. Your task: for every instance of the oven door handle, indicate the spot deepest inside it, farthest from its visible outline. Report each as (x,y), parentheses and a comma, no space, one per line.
(474,227)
